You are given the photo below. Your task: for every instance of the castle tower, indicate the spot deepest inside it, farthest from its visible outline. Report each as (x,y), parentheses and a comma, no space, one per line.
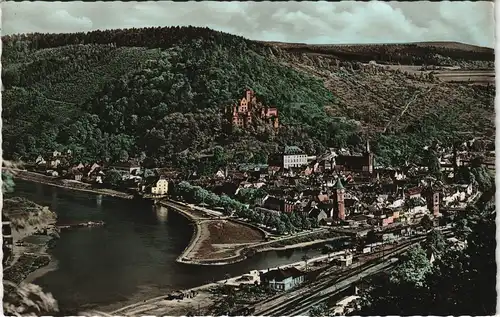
(249,95)
(339,199)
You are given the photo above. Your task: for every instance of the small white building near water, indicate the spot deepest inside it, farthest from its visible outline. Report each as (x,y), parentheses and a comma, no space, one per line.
(161,187)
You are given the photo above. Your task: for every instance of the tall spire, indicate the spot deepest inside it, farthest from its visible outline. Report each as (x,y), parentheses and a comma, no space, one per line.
(338,184)
(367,146)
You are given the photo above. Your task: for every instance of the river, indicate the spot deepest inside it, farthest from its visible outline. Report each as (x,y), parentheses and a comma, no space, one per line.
(131,258)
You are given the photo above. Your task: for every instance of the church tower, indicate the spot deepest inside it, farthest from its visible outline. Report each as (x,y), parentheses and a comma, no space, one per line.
(339,199)
(368,165)
(435,203)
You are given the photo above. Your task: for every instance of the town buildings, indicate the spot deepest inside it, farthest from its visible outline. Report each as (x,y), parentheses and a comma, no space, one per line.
(340,188)
(354,163)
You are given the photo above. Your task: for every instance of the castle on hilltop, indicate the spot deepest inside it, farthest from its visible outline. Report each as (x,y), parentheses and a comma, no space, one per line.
(243,113)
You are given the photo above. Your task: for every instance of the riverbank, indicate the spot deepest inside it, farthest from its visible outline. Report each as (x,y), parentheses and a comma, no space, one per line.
(68,184)
(224,241)
(201,299)
(34,231)
(204,299)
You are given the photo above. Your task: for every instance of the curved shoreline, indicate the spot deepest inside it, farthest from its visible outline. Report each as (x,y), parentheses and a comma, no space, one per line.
(196,230)
(241,252)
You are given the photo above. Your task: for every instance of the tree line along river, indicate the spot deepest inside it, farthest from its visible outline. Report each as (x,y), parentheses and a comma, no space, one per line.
(130,259)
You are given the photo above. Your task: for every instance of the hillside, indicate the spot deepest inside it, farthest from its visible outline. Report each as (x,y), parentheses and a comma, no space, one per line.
(159,93)
(418,53)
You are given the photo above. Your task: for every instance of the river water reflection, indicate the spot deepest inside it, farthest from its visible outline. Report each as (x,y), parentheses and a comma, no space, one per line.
(132,257)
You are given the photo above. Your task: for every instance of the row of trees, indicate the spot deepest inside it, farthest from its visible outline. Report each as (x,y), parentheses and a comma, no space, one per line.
(283,223)
(199,195)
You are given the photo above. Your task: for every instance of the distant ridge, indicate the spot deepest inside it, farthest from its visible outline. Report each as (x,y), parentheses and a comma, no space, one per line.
(442,44)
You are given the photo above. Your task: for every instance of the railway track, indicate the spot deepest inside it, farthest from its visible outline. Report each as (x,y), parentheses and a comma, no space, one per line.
(300,301)
(310,292)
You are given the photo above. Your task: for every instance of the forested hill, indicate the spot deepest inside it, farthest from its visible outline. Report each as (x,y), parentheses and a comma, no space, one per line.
(157,92)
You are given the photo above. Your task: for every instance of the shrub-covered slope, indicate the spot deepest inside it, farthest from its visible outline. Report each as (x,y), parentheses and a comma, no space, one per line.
(161,91)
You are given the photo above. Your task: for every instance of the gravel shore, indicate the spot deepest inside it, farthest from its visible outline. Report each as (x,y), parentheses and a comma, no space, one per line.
(34,231)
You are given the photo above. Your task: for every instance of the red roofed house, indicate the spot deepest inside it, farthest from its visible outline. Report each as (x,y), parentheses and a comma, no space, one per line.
(414,192)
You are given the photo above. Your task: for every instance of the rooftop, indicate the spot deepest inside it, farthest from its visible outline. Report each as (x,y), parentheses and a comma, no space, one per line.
(282,274)
(290,150)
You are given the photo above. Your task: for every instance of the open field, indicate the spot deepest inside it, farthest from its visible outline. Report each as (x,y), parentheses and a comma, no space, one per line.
(219,238)
(215,241)
(476,77)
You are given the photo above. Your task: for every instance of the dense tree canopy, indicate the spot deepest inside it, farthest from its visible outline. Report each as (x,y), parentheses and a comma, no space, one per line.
(157,101)
(109,95)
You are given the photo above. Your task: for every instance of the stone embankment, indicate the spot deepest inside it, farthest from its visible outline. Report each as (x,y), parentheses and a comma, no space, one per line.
(68,184)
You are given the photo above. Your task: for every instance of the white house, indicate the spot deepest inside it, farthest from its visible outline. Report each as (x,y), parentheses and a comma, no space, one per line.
(161,187)
(293,156)
(459,195)
(399,176)
(397,203)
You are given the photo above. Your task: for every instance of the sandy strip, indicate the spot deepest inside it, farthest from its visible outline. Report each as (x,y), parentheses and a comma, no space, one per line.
(48,180)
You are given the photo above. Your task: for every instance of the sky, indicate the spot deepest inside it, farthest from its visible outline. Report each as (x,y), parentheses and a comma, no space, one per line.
(299,22)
